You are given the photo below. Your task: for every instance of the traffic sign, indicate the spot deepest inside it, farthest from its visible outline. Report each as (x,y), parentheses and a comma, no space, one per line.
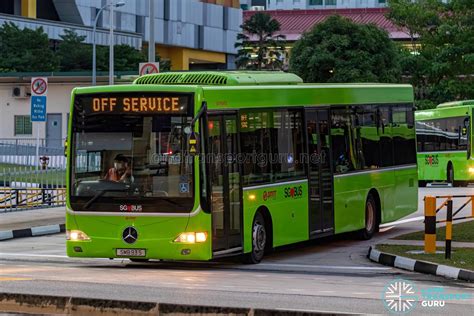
(149,68)
(39,86)
(38,108)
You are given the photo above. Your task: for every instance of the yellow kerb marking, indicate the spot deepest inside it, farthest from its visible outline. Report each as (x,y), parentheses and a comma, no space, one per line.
(14,279)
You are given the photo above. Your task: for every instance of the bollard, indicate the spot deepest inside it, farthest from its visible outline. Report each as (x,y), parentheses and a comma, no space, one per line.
(449,230)
(430,224)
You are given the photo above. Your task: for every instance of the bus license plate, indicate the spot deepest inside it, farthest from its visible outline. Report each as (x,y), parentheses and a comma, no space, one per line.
(130,252)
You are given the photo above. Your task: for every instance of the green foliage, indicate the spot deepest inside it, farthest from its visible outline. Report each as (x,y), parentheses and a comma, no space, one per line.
(28,51)
(339,50)
(25,50)
(259,47)
(72,53)
(443,67)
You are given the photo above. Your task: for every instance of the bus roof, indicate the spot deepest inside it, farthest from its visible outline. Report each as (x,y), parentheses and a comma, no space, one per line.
(220,78)
(455,103)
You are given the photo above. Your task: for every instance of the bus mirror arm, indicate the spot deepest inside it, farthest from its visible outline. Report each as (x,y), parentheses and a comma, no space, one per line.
(202,110)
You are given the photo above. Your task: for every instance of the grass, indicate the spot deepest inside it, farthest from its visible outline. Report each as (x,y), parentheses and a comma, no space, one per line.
(25,174)
(462,232)
(460,257)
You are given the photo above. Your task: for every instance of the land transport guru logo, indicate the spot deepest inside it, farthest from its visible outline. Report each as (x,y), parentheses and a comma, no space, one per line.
(401,297)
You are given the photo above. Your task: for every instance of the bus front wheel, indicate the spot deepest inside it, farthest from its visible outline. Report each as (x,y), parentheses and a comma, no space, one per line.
(370,219)
(259,240)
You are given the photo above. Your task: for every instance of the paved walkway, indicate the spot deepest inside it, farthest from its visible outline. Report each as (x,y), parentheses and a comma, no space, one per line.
(32,218)
(454,244)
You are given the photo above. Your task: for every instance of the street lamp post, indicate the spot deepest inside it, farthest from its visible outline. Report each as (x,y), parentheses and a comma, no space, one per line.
(94,73)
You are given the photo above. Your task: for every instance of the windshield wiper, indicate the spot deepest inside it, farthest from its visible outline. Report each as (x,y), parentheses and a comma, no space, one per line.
(99,194)
(169,201)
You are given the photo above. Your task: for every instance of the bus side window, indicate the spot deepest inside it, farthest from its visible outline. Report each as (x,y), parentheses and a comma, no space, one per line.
(343,146)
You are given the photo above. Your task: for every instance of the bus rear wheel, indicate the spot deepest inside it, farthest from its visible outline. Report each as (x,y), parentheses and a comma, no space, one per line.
(371,222)
(259,240)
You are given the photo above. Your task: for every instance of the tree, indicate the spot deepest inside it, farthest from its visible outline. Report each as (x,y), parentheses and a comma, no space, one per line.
(339,50)
(25,50)
(259,47)
(444,57)
(73,54)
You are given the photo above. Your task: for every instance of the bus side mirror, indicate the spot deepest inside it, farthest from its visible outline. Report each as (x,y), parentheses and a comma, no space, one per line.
(193,144)
(65,148)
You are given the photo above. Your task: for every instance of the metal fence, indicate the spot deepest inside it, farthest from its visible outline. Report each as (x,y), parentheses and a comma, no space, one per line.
(26,188)
(22,151)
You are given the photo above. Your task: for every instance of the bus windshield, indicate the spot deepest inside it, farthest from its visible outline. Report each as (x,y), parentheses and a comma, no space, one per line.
(131,161)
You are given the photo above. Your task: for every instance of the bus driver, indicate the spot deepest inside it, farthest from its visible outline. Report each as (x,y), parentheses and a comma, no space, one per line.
(121,171)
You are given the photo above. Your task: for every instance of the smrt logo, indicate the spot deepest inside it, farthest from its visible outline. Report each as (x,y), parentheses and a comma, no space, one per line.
(267,195)
(293,192)
(431,160)
(131,208)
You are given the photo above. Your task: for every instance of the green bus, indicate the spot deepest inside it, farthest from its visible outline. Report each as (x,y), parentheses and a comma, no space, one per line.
(444,143)
(201,165)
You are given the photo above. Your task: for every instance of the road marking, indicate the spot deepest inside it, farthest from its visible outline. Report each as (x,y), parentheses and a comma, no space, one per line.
(14,279)
(386,229)
(320,266)
(403,221)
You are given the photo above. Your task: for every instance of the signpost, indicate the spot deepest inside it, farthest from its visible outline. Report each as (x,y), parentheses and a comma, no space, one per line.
(39,90)
(149,68)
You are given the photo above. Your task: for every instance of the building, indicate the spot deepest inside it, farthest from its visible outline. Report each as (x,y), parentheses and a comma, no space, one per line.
(323,4)
(190,33)
(293,23)
(15,105)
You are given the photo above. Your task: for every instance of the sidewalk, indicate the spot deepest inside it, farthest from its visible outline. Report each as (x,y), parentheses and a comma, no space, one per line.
(454,244)
(32,222)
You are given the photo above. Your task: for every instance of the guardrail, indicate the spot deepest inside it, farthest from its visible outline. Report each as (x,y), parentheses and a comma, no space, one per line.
(431,211)
(27,188)
(22,151)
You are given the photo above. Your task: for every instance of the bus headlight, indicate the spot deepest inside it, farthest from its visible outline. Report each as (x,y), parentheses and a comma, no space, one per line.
(76,235)
(471,169)
(191,237)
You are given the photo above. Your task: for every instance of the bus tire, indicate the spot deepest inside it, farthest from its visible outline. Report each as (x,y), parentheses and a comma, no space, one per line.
(450,174)
(259,240)
(371,222)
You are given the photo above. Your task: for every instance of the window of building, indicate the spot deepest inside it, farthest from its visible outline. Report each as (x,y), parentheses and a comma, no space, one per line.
(23,125)
(272,145)
(330,2)
(315,2)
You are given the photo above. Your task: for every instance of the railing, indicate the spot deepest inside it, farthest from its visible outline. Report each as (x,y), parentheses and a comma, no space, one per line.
(22,151)
(430,219)
(27,188)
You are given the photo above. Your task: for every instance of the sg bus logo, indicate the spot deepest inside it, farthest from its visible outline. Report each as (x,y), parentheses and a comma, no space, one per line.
(431,160)
(131,208)
(293,192)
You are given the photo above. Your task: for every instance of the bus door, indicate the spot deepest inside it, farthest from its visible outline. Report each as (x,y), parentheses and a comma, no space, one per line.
(226,190)
(321,208)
